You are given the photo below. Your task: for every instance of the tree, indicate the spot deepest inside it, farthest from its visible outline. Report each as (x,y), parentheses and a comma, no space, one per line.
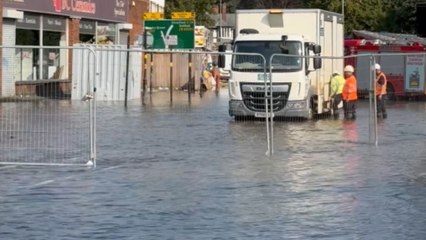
(202,9)
(400,16)
(267,4)
(359,14)
(373,15)
(231,5)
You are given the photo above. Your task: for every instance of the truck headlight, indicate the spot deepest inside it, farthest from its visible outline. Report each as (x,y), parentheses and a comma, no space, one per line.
(296,105)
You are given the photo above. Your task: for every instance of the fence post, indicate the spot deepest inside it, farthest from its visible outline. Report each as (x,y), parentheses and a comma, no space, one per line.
(189,76)
(373,102)
(265,85)
(150,71)
(144,81)
(171,78)
(126,88)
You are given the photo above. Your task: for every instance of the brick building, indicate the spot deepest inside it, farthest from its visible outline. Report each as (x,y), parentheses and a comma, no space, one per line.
(60,23)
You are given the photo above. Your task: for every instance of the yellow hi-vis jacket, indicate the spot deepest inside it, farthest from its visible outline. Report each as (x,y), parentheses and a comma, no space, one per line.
(336,85)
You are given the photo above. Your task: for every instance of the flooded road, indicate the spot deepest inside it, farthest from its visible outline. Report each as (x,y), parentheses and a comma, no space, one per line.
(178,172)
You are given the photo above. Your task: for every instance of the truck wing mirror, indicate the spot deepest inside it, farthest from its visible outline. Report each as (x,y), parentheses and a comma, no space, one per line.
(221,58)
(221,61)
(317,49)
(284,49)
(317,62)
(283,45)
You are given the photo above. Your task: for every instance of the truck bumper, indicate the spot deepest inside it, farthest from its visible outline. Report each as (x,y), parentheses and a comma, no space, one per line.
(237,108)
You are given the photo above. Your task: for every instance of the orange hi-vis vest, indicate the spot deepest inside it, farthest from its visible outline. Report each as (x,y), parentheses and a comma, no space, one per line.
(381,88)
(350,89)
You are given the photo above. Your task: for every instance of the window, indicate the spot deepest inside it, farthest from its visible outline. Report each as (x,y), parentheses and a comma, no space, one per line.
(280,62)
(37,63)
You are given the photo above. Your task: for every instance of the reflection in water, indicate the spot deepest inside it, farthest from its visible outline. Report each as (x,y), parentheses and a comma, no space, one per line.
(350,131)
(191,172)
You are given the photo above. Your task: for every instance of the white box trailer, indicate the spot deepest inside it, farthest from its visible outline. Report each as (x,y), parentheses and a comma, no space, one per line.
(301,90)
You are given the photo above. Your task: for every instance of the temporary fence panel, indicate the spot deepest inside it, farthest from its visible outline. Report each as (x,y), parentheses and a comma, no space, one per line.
(361,65)
(400,69)
(170,72)
(111,82)
(248,89)
(44,131)
(40,124)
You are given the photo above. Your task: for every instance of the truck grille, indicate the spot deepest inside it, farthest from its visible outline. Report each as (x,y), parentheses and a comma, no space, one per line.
(254,96)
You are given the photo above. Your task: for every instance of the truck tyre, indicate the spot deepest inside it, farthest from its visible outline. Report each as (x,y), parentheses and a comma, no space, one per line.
(314,107)
(241,118)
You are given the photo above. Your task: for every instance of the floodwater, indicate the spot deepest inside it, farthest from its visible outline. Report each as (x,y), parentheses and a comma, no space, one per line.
(178,172)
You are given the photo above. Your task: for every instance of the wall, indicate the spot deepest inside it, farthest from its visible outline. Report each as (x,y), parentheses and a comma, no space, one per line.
(8,58)
(136,10)
(74,37)
(1,43)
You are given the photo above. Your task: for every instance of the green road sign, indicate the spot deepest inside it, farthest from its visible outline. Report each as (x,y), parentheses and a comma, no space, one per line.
(170,34)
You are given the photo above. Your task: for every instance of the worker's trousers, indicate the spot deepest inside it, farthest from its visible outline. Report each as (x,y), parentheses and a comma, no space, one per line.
(349,108)
(381,109)
(336,101)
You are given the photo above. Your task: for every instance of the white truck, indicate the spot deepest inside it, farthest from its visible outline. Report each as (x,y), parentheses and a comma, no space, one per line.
(300,85)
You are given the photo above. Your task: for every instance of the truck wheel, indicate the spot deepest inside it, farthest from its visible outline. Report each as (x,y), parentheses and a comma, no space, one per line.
(243,118)
(240,118)
(314,107)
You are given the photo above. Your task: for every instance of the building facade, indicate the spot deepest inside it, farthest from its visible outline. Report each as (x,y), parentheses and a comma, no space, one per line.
(156,5)
(60,23)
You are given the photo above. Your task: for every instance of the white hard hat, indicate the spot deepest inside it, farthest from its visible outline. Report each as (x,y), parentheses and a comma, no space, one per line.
(349,68)
(335,72)
(377,66)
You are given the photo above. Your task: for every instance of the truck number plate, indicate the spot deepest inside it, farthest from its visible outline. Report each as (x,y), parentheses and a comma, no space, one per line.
(263,114)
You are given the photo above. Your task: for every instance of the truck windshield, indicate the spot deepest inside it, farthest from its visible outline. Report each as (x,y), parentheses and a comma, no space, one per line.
(280,63)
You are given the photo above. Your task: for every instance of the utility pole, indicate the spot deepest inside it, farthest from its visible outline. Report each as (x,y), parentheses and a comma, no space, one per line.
(220,22)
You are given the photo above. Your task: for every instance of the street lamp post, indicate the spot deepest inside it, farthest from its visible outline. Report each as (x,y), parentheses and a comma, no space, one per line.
(220,22)
(343,8)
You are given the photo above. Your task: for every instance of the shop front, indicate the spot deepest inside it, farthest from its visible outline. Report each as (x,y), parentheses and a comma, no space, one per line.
(57,24)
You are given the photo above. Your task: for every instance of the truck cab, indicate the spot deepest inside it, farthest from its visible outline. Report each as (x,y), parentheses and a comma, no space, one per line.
(272,47)
(290,76)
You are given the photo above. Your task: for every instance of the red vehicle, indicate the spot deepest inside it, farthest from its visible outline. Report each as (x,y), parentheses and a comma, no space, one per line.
(405,73)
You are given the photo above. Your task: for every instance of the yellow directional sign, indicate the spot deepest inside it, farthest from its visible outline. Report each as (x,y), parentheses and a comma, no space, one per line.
(183,15)
(153,16)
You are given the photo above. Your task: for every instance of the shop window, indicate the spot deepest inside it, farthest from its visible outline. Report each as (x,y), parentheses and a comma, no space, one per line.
(87,31)
(27,58)
(87,38)
(53,59)
(40,63)
(105,33)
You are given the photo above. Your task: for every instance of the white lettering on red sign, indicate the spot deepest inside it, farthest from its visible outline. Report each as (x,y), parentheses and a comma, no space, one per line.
(79,6)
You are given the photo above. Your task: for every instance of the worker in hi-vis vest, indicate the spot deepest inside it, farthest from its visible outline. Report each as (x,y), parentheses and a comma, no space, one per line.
(349,93)
(381,83)
(336,87)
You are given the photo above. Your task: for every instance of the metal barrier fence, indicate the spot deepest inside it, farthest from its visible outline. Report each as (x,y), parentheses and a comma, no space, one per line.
(45,121)
(39,123)
(201,74)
